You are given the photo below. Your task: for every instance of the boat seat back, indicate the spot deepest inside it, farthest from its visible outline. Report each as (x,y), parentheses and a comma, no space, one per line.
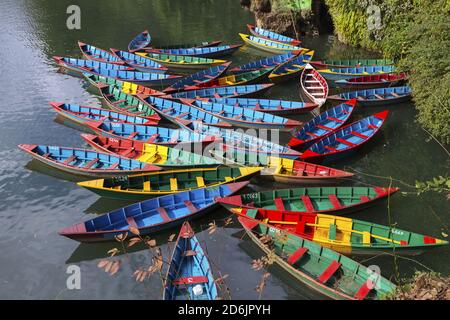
(332,232)
(190,280)
(146,185)
(297,255)
(329,271)
(366,237)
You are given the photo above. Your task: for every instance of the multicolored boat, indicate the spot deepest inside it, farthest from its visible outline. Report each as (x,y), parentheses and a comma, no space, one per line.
(93,53)
(76,67)
(203,44)
(321,269)
(322,125)
(376,97)
(291,69)
(189,276)
(281,169)
(87,163)
(345,140)
(270,45)
(138,62)
(344,235)
(145,186)
(199,78)
(140,42)
(266,62)
(182,62)
(150,216)
(375,80)
(270,35)
(352,63)
(347,73)
(245,118)
(162,156)
(278,107)
(324,200)
(224,92)
(314,87)
(206,52)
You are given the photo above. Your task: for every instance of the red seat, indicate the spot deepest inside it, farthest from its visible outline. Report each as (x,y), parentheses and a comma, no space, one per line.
(279,204)
(190,280)
(163,213)
(297,255)
(308,204)
(364,290)
(334,201)
(329,271)
(190,206)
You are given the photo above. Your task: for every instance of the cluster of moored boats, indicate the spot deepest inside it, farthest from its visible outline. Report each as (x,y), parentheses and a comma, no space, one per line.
(167,139)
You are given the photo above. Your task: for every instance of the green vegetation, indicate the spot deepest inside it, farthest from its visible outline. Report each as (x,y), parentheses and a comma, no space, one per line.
(283,5)
(415,34)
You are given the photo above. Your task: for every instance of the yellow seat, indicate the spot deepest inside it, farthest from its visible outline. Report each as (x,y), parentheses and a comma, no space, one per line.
(147,185)
(200,182)
(366,237)
(173,184)
(228,179)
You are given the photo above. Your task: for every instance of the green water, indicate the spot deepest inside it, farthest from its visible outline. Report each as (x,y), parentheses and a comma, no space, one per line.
(35,205)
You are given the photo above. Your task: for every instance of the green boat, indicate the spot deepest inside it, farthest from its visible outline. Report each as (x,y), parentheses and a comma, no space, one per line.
(321,269)
(350,63)
(327,200)
(182,62)
(145,186)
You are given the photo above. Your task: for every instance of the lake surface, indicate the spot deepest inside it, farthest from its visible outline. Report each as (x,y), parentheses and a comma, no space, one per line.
(35,205)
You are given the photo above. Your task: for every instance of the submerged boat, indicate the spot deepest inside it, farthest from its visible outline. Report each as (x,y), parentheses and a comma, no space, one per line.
(351,63)
(93,53)
(291,69)
(159,155)
(347,73)
(268,62)
(314,87)
(376,97)
(145,186)
(321,269)
(206,52)
(153,215)
(224,92)
(374,80)
(138,62)
(322,125)
(270,45)
(189,276)
(87,163)
(345,140)
(140,42)
(182,62)
(344,235)
(270,35)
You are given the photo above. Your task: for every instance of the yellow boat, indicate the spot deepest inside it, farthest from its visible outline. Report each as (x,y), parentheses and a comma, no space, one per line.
(270,45)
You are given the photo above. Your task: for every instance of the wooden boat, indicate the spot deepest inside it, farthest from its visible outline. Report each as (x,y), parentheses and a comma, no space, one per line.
(347,73)
(140,42)
(278,107)
(198,78)
(182,62)
(148,134)
(87,163)
(151,215)
(142,78)
(281,169)
(268,62)
(324,200)
(83,114)
(345,140)
(76,67)
(115,99)
(189,276)
(160,155)
(321,269)
(270,45)
(203,44)
(344,235)
(223,92)
(182,114)
(93,53)
(314,87)
(374,80)
(98,82)
(322,125)
(376,97)
(291,69)
(206,52)
(352,63)
(138,62)
(244,142)
(243,78)
(145,186)
(245,118)
(270,35)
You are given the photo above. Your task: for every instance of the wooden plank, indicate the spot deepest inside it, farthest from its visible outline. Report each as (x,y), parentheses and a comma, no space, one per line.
(297,255)
(334,201)
(192,208)
(173,184)
(190,280)
(69,160)
(163,213)
(279,204)
(364,290)
(308,203)
(200,182)
(91,163)
(329,271)
(146,185)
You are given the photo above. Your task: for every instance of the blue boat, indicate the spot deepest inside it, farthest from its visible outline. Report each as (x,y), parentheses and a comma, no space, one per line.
(267,34)
(76,67)
(142,78)
(138,62)
(246,118)
(322,125)
(268,62)
(200,77)
(141,41)
(93,53)
(86,163)
(147,134)
(291,69)
(84,114)
(345,140)
(223,92)
(189,276)
(207,52)
(375,97)
(152,215)
(347,73)
(278,107)
(181,114)
(244,142)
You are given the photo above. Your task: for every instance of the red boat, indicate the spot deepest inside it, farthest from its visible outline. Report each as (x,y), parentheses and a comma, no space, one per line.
(374,80)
